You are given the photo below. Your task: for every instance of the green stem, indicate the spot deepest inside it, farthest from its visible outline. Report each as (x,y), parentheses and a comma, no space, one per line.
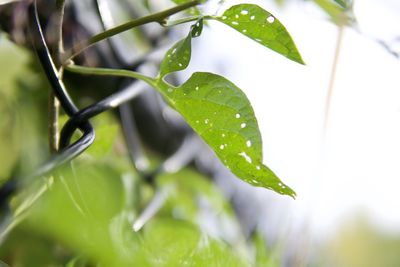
(54,105)
(111,72)
(60,5)
(156,17)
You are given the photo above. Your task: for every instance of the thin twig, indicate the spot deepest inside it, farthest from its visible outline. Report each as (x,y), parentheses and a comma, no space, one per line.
(331,85)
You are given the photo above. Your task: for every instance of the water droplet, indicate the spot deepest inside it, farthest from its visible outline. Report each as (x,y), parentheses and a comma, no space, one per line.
(271,19)
(243,125)
(223,135)
(237,16)
(248,143)
(180,64)
(237,116)
(252,17)
(244,30)
(258,167)
(255,181)
(258,40)
(235,23)
(244,12)
(223,17)
(174,51)
(197,121)
(246,157)
(206,121)
(170,90)
(221,147)
(197,88)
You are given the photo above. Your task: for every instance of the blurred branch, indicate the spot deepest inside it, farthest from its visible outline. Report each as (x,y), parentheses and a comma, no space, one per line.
(156,17)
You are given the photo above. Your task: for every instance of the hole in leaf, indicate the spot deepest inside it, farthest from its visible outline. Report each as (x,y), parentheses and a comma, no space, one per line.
(271,19)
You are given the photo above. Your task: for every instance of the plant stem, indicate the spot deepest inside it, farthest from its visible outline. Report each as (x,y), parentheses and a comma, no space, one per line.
(60,5)
(54,105)
(156,17)
(111,72)
(54,109)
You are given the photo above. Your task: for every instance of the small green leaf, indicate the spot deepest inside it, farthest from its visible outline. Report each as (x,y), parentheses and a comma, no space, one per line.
(262,27)
(178,57)
(222,115)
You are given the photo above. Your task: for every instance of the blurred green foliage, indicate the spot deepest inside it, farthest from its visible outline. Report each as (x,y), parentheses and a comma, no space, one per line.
(359,243)
(82,214)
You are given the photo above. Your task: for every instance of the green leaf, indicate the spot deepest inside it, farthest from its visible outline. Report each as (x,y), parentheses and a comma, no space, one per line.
(178,57)
(338,11)
(262,27)
(222,115)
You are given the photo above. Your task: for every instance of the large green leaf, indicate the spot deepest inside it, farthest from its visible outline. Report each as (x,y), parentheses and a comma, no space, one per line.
(262,27)
(222,115)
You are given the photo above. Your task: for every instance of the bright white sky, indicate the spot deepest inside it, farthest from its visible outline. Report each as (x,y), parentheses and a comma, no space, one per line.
(357,166)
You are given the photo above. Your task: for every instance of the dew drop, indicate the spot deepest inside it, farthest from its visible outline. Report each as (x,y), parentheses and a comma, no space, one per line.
(180,64)
(237,116)
(197,88)
(206,121)
(174,51)
(244,30)
(237,16)
(223,135)
(223,17)
(221,147)
(235,23)
(248,143)
(252,17)
(270,19)
(197,121)
(244,12)
(258,167)
(170,90)
(255,181)
(243,125)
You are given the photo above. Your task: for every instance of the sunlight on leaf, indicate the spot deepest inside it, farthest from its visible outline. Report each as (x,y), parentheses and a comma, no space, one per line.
(222,115)
(262,27)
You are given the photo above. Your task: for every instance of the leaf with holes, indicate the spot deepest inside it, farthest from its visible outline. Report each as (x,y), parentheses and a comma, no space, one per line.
(178,57)
(261,26)
(222,115)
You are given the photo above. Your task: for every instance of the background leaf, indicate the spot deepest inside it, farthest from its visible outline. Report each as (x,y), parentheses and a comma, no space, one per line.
(262,27)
